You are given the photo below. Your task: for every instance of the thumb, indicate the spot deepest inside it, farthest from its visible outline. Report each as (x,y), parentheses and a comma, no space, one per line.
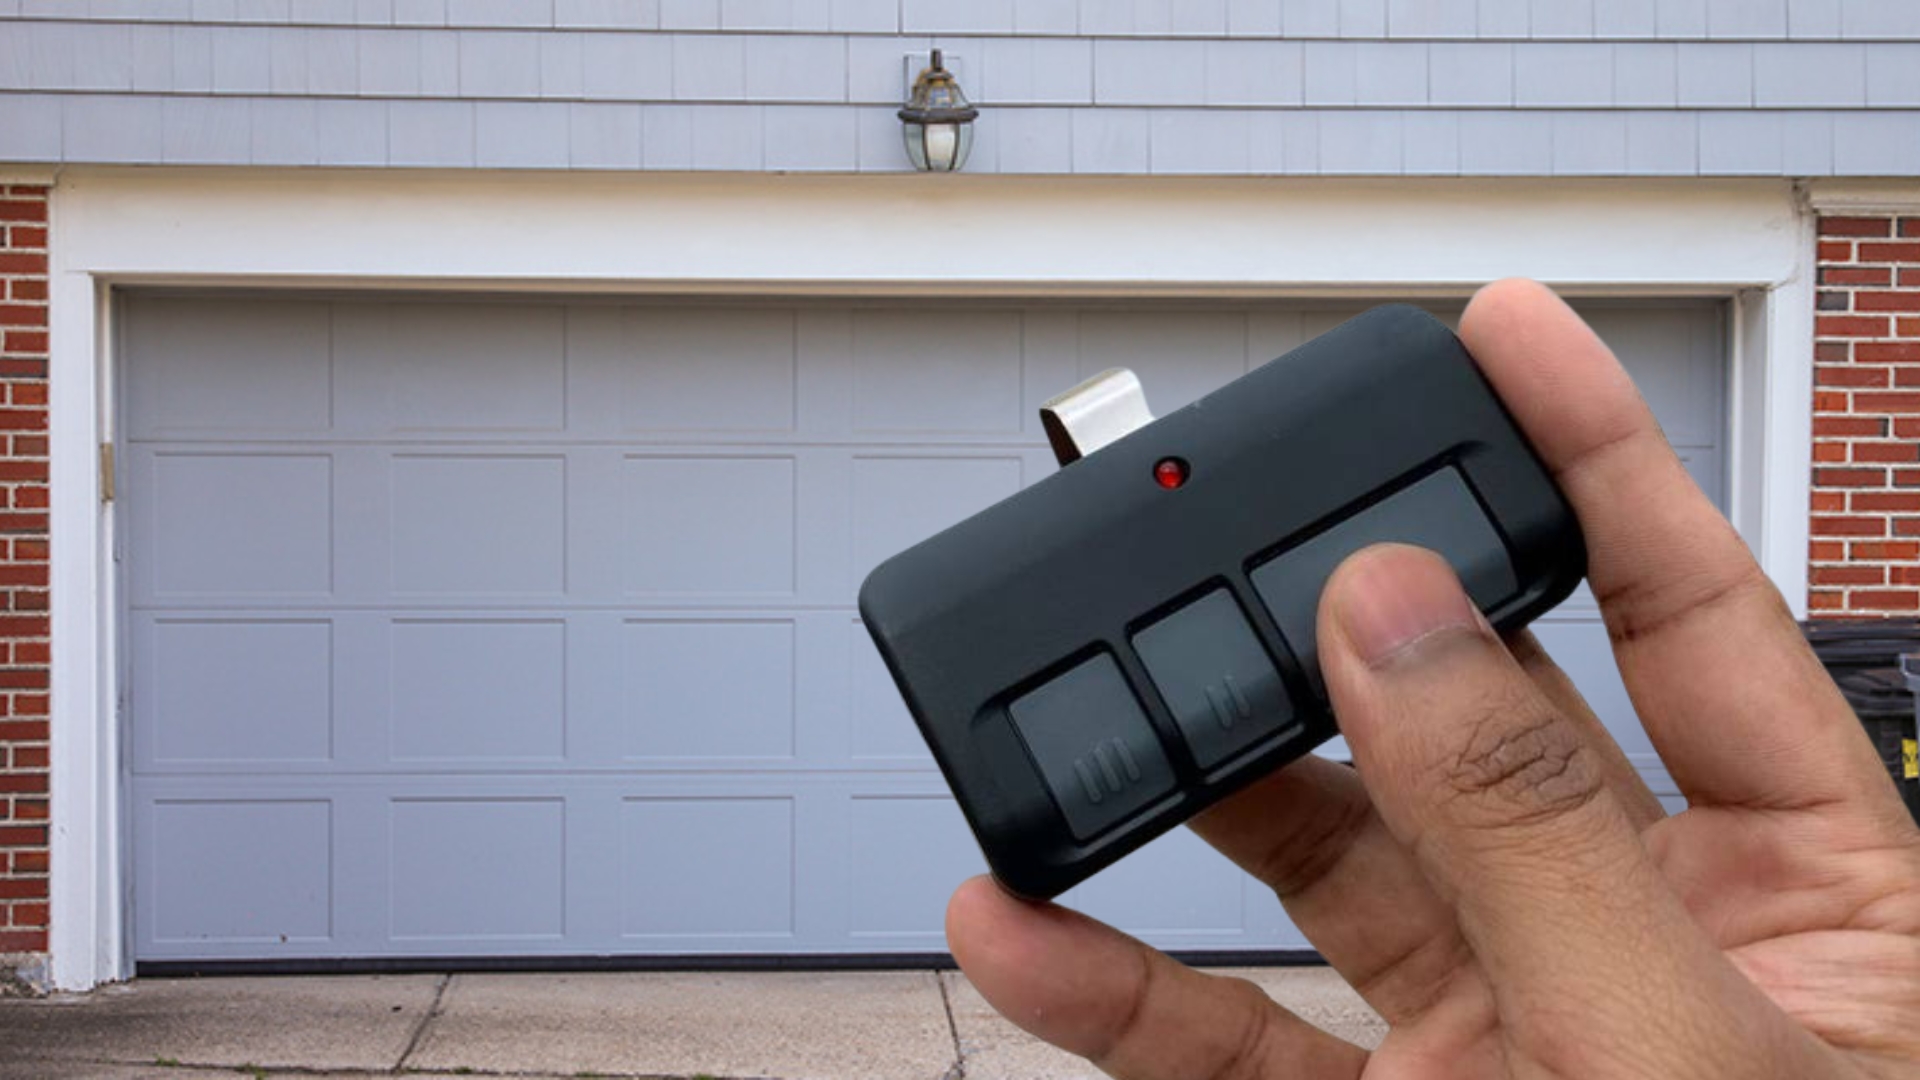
(1506,807)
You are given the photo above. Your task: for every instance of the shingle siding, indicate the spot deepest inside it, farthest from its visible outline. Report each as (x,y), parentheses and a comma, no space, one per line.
(1370,87)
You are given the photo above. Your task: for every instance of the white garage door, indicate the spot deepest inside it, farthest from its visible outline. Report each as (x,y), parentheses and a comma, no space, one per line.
(526,628)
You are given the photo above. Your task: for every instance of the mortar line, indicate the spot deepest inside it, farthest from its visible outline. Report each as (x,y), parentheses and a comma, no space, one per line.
(958,1070)
(420,1032)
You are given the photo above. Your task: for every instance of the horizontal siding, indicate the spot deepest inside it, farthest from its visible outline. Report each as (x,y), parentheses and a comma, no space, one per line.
(1356,87)
(1729,20)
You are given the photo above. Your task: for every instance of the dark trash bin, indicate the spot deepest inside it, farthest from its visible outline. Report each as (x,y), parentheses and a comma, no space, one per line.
(1865,659)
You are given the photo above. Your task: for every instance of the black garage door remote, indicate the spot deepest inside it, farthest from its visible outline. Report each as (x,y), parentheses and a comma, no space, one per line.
(1104,654)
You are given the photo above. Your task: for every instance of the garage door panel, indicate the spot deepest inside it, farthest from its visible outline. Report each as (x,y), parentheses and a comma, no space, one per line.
(938,372)
(450,368)
(248,693)
(900,500)
(273,858)
(710,689)
(710,524)
(907,854)
(690,371)
(1676,356)
(231,367)
(235,524)
(477,868)
(705,867)
(471,691)
(472,525)
(548,644)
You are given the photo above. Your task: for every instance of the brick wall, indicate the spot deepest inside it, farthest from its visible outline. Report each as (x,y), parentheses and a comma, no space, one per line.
(23,570)
(1866,418)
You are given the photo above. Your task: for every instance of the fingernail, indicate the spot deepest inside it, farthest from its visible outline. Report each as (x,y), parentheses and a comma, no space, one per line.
(1392,597)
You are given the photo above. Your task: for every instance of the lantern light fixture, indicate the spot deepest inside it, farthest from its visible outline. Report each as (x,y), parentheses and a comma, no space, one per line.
(938,120)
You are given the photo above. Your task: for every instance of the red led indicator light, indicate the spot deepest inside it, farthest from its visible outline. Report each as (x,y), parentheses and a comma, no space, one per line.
(1170,473)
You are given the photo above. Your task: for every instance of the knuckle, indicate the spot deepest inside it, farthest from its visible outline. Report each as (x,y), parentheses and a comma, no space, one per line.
(1529,771)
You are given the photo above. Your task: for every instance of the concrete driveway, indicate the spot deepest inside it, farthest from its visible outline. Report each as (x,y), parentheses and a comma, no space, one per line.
(896,1025)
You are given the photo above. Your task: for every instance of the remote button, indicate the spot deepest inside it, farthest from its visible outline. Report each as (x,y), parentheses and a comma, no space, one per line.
(1218,682)
(1438,513)
(1094,747)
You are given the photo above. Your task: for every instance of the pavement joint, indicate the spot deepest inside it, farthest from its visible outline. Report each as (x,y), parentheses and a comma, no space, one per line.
(958,1070)
(426,1021)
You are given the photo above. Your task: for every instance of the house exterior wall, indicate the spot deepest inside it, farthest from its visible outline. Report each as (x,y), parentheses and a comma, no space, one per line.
(24,644)
(1266,87)
(1865,546)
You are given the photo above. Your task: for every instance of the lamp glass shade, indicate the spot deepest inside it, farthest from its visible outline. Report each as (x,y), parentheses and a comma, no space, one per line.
(937,122)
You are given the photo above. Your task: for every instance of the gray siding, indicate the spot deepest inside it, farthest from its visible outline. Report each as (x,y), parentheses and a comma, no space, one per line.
(1363,87)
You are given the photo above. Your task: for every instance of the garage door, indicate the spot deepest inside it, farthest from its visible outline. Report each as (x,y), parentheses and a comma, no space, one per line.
(521,628)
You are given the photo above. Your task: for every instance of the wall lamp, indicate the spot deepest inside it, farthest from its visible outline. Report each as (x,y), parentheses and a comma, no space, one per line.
(938,120)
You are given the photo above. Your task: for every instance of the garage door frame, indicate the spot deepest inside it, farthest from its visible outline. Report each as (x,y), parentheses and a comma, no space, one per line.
(1748,242)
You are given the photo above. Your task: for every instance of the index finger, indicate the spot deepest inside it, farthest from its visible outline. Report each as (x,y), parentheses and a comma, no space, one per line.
(1733,699)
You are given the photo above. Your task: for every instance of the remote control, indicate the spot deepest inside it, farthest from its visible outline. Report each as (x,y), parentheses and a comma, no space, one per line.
(1102,655)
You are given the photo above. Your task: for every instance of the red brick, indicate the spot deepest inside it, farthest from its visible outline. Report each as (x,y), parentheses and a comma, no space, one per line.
(19,731)
(1856,226)
(1906,527)
(1897,401)
(1826,550)
(1826,525)
(1910,276)
(1832,352)
(1835,251)
(36,625)
(32,263)
(26,549)
(1887,453)
(32,652)
(1829,453)
(34,315)
(16,472)
(27,236)
(35,913)
(1828,502)
(23,679)
(1832,401)
(1894,252)
(36,783)
(31,704)
(19,368)
(1885,502)
(1858,326)
(27,289)
(1856,275)
(1848,575)
(23,836)
(30,809)
(29,446)
(1832,300)
(23,941)
(22,393)
(30,497)
(1846,375)
(1885,599)
(1908,375)
(1824,427)
(1819,600)
(1904,327)
(1886,301)
(23,210)
(24,341)
(1828,478)
(1884,551)
(22,889)
(30,862)
(1886,352)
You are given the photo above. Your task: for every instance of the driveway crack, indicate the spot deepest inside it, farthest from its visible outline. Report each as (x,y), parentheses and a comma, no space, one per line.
(958,1070)
(426,1021)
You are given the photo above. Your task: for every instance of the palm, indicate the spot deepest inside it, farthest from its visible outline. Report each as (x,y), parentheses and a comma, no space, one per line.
(1496,880)
(1814,913)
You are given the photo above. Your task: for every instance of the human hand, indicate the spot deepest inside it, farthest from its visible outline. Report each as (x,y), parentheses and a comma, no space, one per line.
(1495,879)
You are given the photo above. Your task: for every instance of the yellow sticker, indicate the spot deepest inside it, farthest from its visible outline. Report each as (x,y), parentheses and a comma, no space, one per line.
(1910,758)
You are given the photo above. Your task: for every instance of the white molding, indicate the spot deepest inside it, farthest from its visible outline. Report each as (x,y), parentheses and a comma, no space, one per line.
(1864,196)
(851,236)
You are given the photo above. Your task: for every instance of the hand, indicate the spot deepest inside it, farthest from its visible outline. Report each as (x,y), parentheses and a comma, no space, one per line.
(1495,879)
